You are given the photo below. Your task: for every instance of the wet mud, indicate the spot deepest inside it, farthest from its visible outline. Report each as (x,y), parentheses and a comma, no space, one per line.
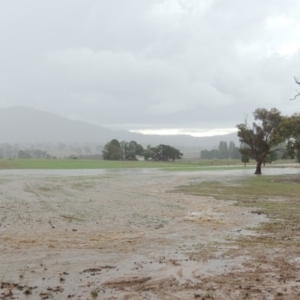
(125,236)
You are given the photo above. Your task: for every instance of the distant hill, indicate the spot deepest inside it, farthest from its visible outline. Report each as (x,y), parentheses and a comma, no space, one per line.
(27,125)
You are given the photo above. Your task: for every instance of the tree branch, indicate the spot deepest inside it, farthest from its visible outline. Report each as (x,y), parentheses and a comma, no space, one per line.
(298,93)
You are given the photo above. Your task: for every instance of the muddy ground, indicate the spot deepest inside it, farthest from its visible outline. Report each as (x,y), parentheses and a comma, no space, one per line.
(126,236)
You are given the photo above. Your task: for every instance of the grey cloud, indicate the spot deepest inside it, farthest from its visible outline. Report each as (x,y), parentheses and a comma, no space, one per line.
(149,64)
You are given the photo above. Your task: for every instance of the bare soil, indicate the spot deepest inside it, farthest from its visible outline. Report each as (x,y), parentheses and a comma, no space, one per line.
(125,236)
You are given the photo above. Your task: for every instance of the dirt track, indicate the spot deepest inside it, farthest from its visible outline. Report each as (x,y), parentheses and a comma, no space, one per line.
(122,236)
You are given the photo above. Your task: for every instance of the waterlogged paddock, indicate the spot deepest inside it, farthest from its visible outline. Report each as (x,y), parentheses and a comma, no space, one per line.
(120,234)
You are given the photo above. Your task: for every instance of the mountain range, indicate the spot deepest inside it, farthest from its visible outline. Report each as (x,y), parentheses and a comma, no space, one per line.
(27,125)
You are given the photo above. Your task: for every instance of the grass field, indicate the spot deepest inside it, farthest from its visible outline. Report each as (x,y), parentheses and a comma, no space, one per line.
(104,164)
(275,196)
(273,245)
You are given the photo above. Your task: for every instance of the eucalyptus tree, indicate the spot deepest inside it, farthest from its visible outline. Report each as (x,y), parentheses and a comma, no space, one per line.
(261,138)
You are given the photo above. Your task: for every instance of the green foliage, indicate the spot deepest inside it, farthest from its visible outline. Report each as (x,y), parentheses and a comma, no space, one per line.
(271,157)
(259,140)
(131,150)
(165,152)
(94,293)
(112,151)
(122,151)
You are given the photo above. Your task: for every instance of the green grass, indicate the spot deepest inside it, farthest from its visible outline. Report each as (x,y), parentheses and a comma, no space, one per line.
(193,168)
(249,189)
(78,164)
(275,196)
(95,164)
(202,165)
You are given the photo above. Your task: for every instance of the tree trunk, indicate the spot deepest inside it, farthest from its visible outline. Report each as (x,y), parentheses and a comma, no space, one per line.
(258,168)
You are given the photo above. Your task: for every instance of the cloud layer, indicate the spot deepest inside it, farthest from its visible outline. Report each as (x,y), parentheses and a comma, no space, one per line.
(150,64)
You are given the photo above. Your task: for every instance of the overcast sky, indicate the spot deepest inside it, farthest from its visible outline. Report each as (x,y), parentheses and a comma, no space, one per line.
(189,65)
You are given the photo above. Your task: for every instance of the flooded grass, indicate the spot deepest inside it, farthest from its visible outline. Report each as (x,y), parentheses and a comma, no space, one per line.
(78,164)
(194,168)
(105,164)
(277,197)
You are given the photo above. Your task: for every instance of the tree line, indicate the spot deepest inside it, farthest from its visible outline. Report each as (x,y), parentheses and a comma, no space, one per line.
(230,151)
(224,151)
(115,150)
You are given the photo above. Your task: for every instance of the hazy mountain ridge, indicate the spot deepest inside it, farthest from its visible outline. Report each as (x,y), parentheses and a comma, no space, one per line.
(27,125)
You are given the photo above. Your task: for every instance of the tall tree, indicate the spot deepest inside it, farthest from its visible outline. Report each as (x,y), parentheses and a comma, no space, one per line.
(231,146)
(112,150)
(223,150)
(131,150)
(261,139)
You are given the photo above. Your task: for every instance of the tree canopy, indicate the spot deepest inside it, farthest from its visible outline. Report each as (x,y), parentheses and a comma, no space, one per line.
(261,139)
(112,150)
(115,150)
(164,153)
(131,150)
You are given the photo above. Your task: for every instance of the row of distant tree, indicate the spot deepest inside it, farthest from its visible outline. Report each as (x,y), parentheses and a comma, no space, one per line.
(46,150)
(230,151)
(115,150)
(27,154)
(224,151)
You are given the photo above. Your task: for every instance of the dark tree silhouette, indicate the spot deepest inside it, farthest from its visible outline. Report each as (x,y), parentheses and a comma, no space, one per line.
(297,80)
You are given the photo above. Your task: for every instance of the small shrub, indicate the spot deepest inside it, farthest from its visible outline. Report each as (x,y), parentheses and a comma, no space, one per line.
(94,293)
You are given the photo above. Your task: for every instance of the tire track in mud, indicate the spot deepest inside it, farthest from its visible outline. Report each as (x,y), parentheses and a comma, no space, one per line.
(44,203)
